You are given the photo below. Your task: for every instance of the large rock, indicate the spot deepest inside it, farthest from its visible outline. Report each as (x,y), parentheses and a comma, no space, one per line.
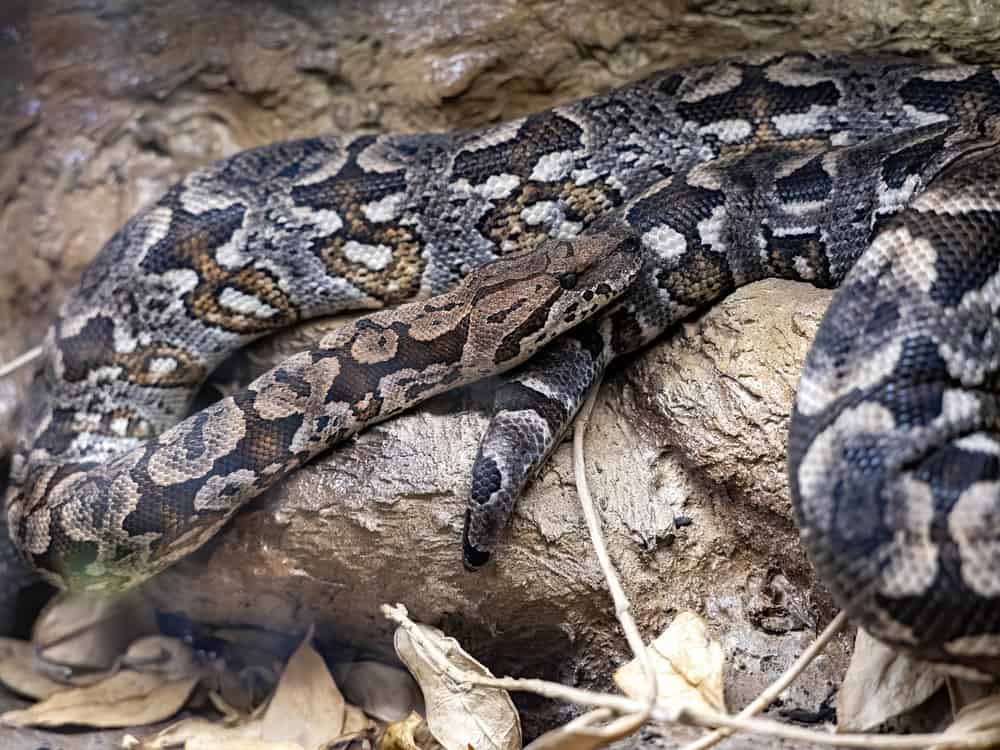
(686,455)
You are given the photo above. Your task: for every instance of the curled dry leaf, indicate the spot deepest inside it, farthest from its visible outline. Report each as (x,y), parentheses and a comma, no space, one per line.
(458,715)
(125,699)
(577,735)
(308,697)
(82,635)
(17,671)
(306,712)
(882,683)
(158,654)
(407,734)
(382,691)
(688,664)
(981,716)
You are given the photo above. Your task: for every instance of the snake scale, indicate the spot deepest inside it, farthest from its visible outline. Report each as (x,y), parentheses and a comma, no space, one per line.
(564,240)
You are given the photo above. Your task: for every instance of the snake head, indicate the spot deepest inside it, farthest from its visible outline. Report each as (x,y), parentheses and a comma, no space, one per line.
(519,304)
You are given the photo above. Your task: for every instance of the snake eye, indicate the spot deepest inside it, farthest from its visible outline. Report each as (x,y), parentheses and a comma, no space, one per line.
(567,280)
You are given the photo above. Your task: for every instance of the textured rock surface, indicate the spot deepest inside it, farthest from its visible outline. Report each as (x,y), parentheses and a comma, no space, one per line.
(685,452)
(104,103)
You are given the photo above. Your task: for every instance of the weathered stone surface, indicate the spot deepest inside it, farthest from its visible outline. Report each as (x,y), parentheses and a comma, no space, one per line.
(695,510)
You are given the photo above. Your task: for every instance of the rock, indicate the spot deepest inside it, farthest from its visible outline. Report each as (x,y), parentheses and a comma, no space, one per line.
(686,456)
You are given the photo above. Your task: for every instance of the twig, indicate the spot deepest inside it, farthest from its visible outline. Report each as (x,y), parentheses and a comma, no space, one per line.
(20,361)
(775,689)
(625,725)
(713,720)
(980,740)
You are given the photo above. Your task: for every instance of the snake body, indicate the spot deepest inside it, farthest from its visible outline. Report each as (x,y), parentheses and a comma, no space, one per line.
(581,233)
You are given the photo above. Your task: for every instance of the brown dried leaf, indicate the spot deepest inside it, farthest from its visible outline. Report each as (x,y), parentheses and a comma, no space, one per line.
(308,697)
(202,734)
(169,657)
(306,712)
(85,632)
(17,671)
(400,734)
(382,691)
(125,699)
(688,664)
(882,683)
(572,736)
(458,715)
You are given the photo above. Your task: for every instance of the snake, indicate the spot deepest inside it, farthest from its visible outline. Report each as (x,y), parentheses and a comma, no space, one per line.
(545,248)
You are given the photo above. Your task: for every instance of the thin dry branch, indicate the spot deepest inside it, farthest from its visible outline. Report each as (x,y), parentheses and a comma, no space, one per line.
(20,361)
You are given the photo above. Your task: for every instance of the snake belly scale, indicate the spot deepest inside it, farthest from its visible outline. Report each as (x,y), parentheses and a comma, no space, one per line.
(559,242)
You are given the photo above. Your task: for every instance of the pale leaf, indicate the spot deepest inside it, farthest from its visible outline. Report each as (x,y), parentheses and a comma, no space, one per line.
(307,707)
(981,716)
(202,734)
(573,736)
(382,691)
(157,654)
(125,699)
(881,683)
(306,712)
(688,665)
(457,715)
(17,671)
(86,632)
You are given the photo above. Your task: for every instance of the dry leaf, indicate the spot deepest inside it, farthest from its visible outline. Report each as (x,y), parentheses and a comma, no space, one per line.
(305,713)
(169,657)
(457,715)
(981,716)
(400,734)
(688,666)
(17,671)
(573,736)
(202,734)
(306,695)
(881,683)
(125,699)
(382,691)
(86,632)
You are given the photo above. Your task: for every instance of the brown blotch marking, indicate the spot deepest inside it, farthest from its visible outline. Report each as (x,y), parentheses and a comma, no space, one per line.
(203,300)
(347,192)
(374,345)
(504,225)
(367,409)
(399,280)
(138,366)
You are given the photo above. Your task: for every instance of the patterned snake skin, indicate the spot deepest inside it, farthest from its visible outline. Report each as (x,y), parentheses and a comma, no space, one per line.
(877,176)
